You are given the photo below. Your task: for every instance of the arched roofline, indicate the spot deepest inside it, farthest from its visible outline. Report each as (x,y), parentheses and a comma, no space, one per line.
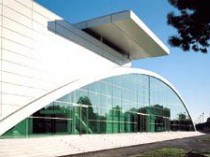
(27,110)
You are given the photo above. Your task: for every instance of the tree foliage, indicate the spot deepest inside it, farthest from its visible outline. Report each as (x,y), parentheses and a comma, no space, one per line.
(192,23)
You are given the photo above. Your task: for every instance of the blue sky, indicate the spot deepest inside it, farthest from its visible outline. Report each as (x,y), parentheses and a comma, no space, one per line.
(189,72)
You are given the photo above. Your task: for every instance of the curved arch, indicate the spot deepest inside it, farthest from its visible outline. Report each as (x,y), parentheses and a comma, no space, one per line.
(41,102)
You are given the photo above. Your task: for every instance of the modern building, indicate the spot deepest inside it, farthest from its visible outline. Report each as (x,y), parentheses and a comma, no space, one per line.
(58,78)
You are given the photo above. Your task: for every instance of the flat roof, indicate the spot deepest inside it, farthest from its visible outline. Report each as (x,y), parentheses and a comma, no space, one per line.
(125,32)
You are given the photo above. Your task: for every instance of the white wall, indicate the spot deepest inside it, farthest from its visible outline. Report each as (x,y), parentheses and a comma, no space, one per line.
(41,52)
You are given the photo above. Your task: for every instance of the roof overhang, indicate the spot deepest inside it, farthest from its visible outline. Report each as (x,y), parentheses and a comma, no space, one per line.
(125,32)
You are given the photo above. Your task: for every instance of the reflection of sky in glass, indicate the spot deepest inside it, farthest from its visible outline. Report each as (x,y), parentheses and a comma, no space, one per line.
(129,92)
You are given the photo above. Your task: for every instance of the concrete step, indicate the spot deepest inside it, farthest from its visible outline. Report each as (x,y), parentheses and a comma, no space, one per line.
(74,144)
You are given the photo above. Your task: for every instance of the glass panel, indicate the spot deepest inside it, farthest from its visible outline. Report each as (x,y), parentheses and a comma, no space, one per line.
(120,104)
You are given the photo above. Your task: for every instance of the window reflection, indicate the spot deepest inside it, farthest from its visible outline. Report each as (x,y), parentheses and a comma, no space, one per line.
(120,104)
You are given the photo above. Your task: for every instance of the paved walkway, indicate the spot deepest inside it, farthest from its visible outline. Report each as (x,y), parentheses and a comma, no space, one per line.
(191,144)
(53,146)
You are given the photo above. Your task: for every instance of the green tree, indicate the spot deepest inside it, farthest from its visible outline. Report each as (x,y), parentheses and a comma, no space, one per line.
(182,116)
(84,100)
(192,22)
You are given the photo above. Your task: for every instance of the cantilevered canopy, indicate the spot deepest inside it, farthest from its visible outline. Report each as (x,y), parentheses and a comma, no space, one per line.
(127,34)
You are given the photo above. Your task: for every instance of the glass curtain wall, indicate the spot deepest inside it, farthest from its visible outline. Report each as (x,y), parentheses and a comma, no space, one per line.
(121,104)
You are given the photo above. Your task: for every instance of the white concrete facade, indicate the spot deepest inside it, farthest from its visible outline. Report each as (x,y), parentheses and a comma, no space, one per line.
(41,52)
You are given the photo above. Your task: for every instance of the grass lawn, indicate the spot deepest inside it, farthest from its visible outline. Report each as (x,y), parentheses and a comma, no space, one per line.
(164,152)
(172,152)
(207,140)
